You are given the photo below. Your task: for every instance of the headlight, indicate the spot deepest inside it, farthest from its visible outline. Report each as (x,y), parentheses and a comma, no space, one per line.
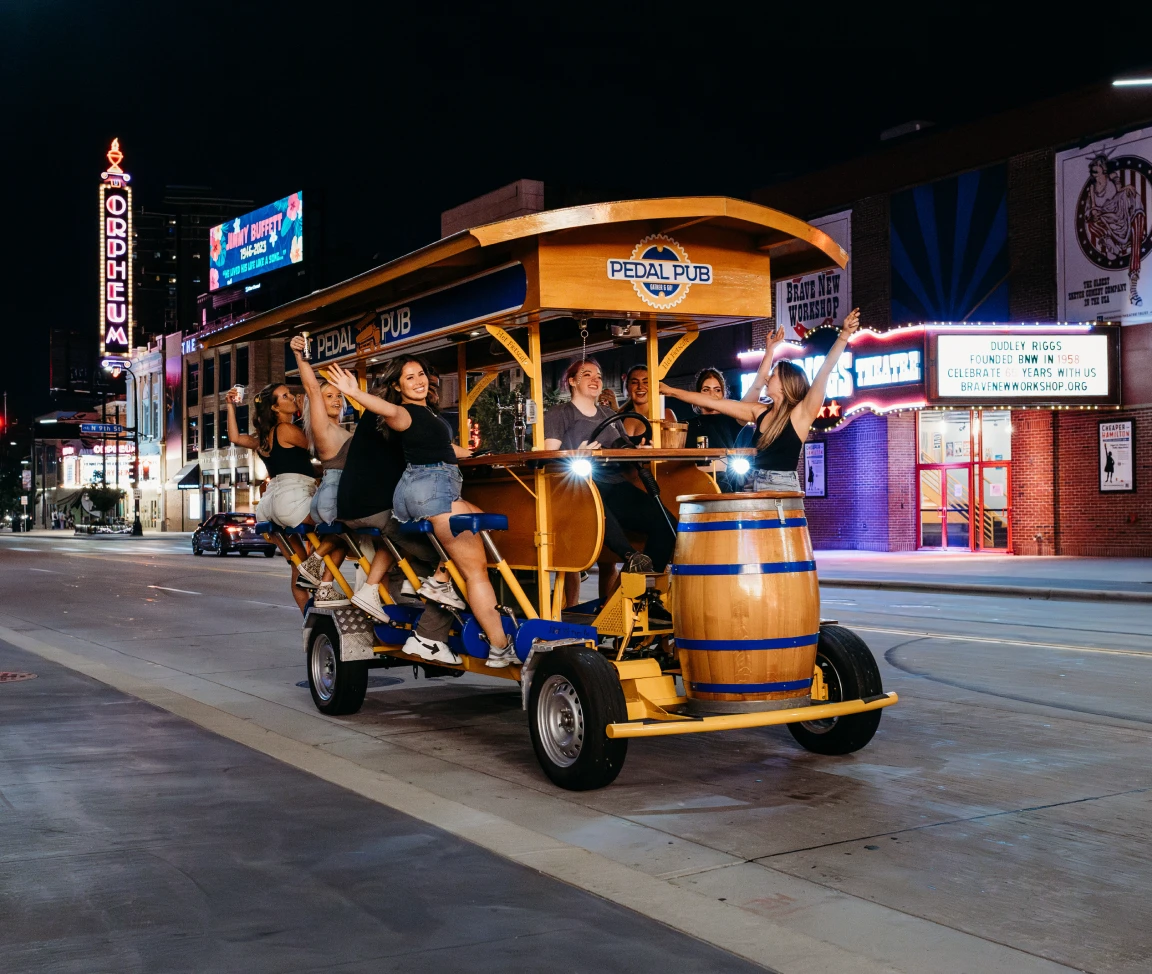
(581,467)
(741,466)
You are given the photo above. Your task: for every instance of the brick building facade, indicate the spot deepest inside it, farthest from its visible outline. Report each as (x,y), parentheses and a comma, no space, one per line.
(1056,506)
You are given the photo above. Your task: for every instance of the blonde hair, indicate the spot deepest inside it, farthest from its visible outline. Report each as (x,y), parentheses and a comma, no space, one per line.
(794,386)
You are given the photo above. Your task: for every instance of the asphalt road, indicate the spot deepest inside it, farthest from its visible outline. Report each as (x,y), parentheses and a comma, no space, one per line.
(1000,820)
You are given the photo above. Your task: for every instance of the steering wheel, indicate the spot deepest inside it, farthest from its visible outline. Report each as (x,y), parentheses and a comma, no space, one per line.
(647,434)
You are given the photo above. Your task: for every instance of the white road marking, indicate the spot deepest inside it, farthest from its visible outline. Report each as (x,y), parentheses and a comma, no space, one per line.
(46,571)
(12,548)
(1006,642)
(272,605)
(182,591)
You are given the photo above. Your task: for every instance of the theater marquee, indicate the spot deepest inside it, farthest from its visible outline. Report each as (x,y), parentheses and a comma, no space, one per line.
(115,259)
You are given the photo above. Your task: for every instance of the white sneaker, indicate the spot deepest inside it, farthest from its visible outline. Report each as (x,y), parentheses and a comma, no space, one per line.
(329,596)
(504,656)
(312,569)
(442,593)
(406,588)
(430,649)
(367,597)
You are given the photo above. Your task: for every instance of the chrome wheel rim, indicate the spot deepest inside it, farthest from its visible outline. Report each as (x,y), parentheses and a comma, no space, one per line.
(323,667)
(560,719)
(835,694)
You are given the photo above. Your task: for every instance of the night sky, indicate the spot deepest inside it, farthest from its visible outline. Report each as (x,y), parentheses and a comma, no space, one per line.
(399,116)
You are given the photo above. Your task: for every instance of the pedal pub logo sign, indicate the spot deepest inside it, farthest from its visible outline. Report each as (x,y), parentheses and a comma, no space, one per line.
(115,257)
(659,271)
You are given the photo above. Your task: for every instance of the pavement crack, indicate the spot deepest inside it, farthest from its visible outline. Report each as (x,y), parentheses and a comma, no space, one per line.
(953,821)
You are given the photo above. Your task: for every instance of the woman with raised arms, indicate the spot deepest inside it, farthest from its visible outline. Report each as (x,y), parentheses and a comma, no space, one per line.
(430,488)
(782,424)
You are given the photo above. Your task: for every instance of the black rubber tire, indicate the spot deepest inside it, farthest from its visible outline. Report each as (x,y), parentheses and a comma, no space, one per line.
(344,694)
(269,553)
(221,546)
(850,672)
(196,549)
(600,700)
(243,552)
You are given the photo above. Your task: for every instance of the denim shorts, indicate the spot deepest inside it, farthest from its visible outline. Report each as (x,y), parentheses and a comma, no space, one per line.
(426,491)
(288,500)
(324,500)
(775,480)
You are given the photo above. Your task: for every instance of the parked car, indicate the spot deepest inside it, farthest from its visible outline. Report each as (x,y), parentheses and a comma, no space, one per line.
(230,531)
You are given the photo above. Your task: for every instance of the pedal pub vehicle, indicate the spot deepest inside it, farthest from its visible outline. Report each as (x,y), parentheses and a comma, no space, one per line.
(745,638)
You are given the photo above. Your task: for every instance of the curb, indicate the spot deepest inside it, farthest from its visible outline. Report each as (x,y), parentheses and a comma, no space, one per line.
(1008,591)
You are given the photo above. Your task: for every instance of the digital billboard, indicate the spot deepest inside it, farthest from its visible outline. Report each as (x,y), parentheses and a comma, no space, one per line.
(264,240)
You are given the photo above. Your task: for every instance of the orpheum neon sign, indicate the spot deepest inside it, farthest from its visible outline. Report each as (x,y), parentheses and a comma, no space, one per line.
(115,258)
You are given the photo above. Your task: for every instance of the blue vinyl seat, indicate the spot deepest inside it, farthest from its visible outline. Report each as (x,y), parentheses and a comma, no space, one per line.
(266,527)
(423,526)
(476,523)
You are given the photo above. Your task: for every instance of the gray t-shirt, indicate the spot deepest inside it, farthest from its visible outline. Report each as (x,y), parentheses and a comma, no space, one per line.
(571,427)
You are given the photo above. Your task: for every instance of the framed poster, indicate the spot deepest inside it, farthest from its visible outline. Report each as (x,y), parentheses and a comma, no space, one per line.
(824,298)
(1117,467)
(1103,235)
(814,484)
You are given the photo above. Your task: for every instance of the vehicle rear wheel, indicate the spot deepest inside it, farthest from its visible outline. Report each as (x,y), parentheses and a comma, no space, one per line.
(243,552)
(575,695)
(850,672)
(221,546)
(337,687)
(270,552)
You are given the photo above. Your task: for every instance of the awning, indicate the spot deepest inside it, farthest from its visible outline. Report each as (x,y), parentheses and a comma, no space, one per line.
(188,477)
(65,499)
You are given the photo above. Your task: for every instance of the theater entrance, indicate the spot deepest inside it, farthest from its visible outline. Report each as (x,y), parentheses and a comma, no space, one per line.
(964,479)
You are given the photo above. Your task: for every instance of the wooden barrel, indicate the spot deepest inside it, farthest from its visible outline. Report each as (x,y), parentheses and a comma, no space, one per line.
(745,602)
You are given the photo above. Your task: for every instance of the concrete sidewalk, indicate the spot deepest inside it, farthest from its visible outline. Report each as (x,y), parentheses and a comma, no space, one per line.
(134,841)
(968,573)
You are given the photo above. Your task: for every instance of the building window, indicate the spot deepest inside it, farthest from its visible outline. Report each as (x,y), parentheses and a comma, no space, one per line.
(223,440)
(192,384)
(242,419)
(192,438)
(242,475)
(242,365)
(210,375)
(209,431)
(225,371)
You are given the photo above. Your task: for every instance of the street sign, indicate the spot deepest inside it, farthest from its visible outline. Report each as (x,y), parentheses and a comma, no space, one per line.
(26,479)
(101,428)
(24,501)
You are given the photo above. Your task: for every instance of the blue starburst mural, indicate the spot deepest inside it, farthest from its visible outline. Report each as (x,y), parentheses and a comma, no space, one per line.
(949,247)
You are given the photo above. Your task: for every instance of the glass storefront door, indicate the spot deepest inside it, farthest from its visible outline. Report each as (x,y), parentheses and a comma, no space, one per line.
(964,478)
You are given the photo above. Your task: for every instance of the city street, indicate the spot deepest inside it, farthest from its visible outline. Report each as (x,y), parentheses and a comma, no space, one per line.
(1000,820)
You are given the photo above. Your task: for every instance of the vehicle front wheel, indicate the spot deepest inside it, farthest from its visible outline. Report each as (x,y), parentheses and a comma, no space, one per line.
(850,672)
(575,695)
(269,553)
(243,552)
(196,549)
(337,688)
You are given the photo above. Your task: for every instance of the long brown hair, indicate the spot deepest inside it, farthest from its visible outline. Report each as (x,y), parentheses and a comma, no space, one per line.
(265,419)
(794,386)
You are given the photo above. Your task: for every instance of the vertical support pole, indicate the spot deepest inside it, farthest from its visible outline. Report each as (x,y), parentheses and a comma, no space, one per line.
(543,506)
(462,391)
(655,414)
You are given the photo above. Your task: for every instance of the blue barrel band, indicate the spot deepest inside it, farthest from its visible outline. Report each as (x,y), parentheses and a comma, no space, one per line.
(747,645)
(762,568)
(752,687)
(759,525)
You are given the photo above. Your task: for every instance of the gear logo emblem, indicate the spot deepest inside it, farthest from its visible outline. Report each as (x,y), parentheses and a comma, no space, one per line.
(659,271)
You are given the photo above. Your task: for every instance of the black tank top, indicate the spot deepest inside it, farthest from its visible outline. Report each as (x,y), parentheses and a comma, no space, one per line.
(783,453)
(372,469)
(427,440)
(288,459)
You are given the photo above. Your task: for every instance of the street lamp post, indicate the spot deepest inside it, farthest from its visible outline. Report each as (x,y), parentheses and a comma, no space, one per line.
(116,365)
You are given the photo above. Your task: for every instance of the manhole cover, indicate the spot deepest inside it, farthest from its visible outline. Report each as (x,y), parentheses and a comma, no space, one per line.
(374,682)
(8,676)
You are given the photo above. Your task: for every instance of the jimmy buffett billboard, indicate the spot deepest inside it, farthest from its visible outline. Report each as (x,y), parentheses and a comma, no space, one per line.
(1103,235)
